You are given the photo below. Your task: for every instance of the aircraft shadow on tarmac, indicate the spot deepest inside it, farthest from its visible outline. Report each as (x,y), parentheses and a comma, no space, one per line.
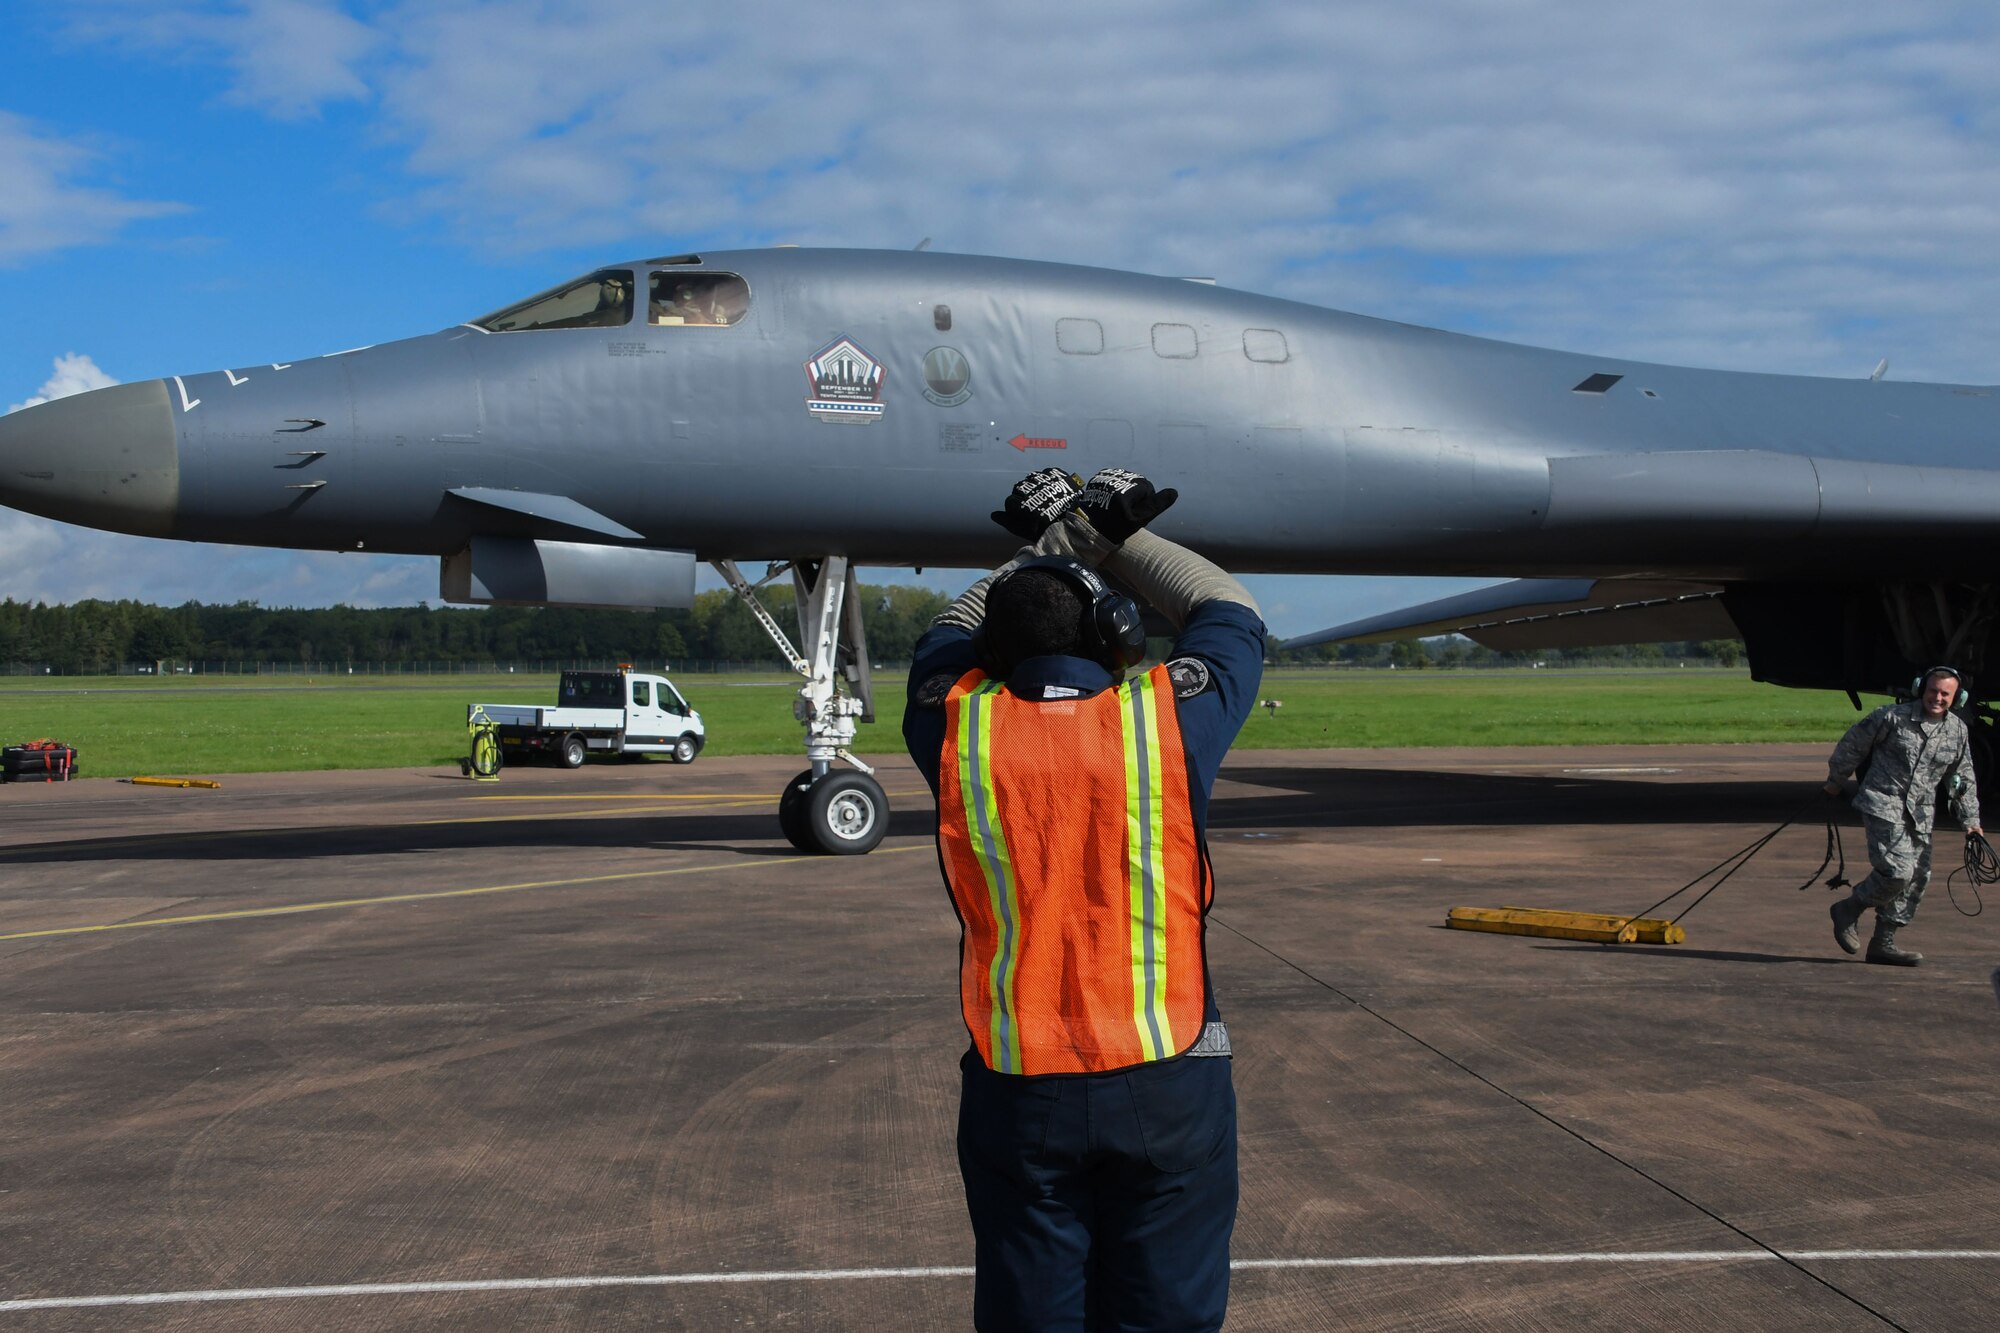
(1294,799)
(1379,798)
(739,833)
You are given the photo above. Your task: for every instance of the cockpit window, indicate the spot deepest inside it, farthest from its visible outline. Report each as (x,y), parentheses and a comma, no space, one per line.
(697,298)
(601,301)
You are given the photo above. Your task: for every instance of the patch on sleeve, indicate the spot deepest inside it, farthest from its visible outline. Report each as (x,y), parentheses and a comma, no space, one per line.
(931,694)
(1190,676)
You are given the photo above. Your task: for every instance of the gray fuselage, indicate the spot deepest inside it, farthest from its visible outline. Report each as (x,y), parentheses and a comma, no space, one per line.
(1301,439)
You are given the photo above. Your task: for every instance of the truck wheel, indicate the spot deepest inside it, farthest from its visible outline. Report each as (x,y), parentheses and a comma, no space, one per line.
(792,812)
(573,751)
(847,813)
(685,749)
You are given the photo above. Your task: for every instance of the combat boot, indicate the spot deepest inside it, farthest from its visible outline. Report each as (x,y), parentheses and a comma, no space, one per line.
(1846,928)
(1882,947)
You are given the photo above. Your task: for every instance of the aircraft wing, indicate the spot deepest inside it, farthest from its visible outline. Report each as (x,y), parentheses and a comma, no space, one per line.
(1551,613)
(549,511)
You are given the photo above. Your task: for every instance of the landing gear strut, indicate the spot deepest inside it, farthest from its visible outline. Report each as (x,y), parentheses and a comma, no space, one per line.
(839,812)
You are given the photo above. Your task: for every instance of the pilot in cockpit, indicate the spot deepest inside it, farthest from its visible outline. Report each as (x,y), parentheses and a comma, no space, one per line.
(683,309)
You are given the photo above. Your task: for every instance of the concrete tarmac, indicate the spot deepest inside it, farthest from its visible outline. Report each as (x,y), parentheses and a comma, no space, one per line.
(597,1050)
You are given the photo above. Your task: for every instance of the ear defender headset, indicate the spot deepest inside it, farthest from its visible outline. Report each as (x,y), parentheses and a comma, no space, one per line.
(1112,632)
(1958,699)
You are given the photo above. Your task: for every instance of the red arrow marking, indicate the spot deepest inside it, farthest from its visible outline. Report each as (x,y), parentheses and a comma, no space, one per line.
(1027,442)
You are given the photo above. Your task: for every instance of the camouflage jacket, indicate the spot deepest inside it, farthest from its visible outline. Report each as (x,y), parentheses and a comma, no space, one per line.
(1906,761)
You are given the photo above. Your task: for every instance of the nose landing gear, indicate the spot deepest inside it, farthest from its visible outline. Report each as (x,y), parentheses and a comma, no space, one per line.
(841,812)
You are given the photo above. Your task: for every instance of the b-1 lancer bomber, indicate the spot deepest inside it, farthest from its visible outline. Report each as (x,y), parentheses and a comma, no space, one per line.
(824,409)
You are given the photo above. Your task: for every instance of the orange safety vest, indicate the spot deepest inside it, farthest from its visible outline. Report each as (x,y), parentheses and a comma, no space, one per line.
(1070,850)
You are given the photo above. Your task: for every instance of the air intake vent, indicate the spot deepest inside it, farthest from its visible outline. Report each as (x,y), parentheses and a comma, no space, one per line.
(1597,383)
(677,259)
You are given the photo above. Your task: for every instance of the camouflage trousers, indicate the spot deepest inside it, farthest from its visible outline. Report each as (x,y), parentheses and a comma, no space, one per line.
(1901,858)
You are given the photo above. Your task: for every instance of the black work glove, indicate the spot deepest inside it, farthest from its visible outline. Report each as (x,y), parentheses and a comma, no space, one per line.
(1037,500)
(1118,502)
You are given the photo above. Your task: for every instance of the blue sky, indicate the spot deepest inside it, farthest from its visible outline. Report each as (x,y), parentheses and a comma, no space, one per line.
(1794,185)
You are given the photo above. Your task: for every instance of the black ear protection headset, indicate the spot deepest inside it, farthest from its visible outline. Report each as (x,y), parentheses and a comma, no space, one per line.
(1112,632)
(1958,699)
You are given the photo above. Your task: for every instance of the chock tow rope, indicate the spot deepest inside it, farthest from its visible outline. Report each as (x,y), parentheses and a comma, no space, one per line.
(1735,861)
(1838,879)
(1982,866)
(1642,926)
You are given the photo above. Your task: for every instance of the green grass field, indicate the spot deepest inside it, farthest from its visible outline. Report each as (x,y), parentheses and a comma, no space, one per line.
(195,726)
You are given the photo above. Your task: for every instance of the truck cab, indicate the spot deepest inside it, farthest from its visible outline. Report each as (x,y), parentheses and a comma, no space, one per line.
(655,714)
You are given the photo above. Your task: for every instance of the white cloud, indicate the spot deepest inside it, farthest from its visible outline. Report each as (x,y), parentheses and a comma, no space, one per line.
(287,57)
(1615,164)
(290,57)
(1597,178)
(60,563)
(74,373)
(45,206)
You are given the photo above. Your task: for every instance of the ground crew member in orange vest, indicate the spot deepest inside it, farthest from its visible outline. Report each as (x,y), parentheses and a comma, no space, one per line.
(1097,1120)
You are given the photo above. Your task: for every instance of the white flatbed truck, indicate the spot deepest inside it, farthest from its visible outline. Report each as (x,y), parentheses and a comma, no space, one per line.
(600,712)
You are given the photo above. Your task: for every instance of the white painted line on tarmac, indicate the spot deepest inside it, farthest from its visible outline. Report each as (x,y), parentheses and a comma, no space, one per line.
(295,909)
(497,1284)
(879,1274)
(1613,1257)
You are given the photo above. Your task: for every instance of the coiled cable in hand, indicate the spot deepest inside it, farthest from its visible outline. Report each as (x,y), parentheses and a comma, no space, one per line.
(1982,866)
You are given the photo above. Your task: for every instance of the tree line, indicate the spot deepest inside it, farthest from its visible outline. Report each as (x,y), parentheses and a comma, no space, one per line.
(1452,651)
(98,637)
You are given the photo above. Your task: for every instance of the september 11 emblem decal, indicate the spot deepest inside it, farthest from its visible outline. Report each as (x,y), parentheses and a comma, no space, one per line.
(846,384)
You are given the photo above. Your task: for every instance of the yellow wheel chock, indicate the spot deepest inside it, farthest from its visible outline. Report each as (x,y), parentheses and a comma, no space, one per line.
(1595,926)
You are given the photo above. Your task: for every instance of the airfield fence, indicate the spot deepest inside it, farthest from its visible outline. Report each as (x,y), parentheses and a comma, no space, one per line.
(345,668)
(704,666)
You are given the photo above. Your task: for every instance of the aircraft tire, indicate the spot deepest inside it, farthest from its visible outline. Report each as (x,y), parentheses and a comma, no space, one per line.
(792,813)
(573,751)
(686,748)
(847,813)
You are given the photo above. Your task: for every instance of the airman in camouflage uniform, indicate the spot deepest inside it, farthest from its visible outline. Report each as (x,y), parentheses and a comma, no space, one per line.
(1908,750)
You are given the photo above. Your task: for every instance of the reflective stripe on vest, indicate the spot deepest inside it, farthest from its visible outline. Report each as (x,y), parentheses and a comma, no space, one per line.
(1069,847)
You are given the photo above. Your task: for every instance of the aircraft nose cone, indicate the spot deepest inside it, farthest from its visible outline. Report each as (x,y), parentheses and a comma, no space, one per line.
(104,459)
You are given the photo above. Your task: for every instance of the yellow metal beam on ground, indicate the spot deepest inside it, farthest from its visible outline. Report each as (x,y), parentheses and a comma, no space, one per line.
(173,782)
(1595,926)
